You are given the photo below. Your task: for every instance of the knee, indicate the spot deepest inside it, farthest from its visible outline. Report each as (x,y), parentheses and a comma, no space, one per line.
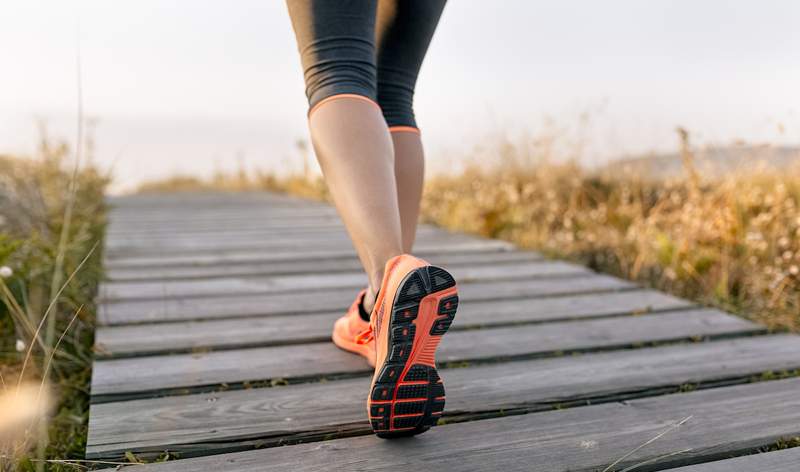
(396,99)
(339,66)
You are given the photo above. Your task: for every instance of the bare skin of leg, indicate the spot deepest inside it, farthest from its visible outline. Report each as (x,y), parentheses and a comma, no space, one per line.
(356,154)
(409,168)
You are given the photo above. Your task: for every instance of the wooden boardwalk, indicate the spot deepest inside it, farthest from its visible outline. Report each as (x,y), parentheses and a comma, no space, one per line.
(214,346)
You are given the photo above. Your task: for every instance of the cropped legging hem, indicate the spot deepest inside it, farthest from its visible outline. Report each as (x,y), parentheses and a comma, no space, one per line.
(356,96)
(336,96)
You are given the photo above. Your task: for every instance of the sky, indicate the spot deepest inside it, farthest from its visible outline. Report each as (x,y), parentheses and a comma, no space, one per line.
(194,86)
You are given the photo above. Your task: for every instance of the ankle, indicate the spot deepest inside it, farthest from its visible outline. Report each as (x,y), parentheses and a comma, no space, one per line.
(368,302)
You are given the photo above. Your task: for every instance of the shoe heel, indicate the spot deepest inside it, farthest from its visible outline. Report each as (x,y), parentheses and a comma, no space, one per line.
(408,396)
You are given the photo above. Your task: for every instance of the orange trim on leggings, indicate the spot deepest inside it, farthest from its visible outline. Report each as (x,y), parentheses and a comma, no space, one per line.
(403,129)
(341,95)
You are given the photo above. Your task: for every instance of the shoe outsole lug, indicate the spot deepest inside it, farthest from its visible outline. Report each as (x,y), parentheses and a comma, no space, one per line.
(410,408)
(390,373)
(411,405)
(416,373)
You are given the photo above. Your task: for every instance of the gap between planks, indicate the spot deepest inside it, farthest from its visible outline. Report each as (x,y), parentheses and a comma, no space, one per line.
(328,300)
(301,256)
(246,268)
(787,460)
(159,375)
(715,424)
(276,415)
(233,333)
(355,280)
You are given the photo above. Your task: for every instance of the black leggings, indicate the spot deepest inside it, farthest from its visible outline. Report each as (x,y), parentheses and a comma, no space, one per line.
(369,48)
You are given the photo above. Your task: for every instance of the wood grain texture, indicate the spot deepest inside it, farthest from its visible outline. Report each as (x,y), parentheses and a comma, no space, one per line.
(250,233)
(168,258)
(329,300)
(300,265)
(180,243)
(205,221)
(289,242)
(722,422)
(269,245)
(787,460)
(194,423)
(117,291)
(289,329)
(306,255)
(148,375)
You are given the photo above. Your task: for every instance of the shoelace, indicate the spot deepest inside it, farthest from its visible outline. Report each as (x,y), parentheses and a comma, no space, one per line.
(366,336)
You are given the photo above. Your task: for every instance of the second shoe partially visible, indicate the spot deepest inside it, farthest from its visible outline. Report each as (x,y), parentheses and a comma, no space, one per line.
(415,307)
(348,332)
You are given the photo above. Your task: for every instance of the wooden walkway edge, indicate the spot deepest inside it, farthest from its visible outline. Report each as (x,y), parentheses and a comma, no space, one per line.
(213,350)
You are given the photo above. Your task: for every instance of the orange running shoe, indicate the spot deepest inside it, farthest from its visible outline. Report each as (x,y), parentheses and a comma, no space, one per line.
(348,332)
(415,306)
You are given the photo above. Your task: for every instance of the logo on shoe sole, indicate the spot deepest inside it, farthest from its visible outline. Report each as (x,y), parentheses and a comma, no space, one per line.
(379,319)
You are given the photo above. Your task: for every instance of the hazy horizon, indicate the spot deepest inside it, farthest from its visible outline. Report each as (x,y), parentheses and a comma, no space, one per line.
(180,87)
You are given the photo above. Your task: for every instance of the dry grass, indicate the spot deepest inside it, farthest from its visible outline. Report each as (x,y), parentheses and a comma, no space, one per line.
(733,242)
(51,220)
(303,185)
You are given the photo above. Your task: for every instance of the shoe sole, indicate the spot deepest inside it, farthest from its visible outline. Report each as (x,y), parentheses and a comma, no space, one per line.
(407,397)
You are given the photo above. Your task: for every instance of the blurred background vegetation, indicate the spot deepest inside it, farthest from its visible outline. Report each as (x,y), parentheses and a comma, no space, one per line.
(730,240)
(52,218)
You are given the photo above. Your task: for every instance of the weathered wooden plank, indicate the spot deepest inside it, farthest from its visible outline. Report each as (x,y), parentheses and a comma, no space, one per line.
(235,233)
(288,247)
(175,214)
(165,208)
(335,300)
(189,242)
(201,421)
(209,230)
(118,291)
(303,266)
(201,227)
(309,254)
(143,207)
(250,332)
(330,241)
(243,228)
(148,375)
(189,210)
(195,221)
(152,201)
(249,231)
(721,422)
(787,460)
(162,206)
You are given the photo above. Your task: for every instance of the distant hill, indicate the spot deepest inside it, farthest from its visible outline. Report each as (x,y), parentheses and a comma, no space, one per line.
(711,162)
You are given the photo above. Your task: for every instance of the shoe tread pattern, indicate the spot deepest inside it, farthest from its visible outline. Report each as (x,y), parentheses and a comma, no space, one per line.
(411,405)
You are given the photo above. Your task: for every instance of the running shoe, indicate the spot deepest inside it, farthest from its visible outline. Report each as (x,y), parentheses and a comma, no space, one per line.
(348,332)
(415,307)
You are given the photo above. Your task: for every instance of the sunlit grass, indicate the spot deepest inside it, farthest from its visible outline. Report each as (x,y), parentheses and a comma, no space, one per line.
(733,242)
(51,222)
